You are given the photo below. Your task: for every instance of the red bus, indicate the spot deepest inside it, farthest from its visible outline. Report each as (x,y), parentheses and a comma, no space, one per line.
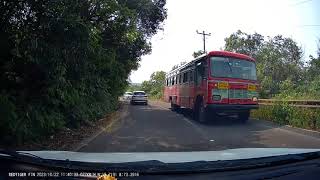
(219,82)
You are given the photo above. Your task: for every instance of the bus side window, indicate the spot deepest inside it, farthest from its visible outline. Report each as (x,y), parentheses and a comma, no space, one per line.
(177,79)
(205,67)
(200,72)
(191,76)
(184,77)
(187,76)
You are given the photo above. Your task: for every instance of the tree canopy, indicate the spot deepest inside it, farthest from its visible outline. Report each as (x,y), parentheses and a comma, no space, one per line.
(66,61)
(278,59)
(154,86)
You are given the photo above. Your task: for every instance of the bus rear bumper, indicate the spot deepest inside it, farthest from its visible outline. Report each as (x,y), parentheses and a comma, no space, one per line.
(231,107)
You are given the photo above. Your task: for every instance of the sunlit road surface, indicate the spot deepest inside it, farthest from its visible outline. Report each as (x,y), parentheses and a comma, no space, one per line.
(155,128)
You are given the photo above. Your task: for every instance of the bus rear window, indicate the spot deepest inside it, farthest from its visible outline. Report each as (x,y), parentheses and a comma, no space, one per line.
(139,93)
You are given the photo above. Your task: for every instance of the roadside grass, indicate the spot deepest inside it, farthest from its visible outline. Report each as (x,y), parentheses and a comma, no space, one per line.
(283,114)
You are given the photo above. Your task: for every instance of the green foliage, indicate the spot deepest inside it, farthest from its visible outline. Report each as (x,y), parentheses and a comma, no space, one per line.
(244,43)
(281,113)
(314,66)
(154,86)
(63,62)
(306,118)
(287,115)
(296,82)
(310,91)
(146,86)
(134,87)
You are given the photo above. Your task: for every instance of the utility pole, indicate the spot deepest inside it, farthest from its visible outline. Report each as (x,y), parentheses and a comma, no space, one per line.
(204,34)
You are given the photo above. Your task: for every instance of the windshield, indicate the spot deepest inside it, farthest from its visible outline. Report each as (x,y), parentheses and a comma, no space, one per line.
(139,93)
(111,76)
(233,68)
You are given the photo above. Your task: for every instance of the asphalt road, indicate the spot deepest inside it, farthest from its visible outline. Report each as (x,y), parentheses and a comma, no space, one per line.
(155,127)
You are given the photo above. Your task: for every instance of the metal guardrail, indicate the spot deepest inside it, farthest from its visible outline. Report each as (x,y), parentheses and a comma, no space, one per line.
(295,103)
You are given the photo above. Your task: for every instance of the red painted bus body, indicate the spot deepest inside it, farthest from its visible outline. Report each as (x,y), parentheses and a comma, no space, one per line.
(218,82)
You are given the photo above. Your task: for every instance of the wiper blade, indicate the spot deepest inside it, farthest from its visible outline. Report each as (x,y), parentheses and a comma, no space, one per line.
(34,159)
(229,65)
(20,155)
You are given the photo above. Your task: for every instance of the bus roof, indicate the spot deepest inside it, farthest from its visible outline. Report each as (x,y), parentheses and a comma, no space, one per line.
(230,54)
(213,53)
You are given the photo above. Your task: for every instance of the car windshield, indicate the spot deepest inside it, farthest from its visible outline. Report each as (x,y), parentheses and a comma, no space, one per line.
(126,76)
(233,68)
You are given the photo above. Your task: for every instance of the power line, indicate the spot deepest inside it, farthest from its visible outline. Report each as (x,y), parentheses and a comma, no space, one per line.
(204,39)
(301,2)
(311,25)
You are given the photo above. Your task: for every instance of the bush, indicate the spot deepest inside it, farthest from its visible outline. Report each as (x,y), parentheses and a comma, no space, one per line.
(287,115)
(264,112)
(281,113)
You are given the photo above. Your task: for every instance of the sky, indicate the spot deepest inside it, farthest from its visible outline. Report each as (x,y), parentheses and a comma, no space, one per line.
(297,19)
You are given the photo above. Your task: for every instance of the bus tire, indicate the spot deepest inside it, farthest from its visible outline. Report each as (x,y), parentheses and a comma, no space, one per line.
(244,116)
(173,106)
(200,112)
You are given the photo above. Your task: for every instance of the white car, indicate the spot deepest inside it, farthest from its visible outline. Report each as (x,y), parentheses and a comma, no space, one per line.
(139,97)
(127,96)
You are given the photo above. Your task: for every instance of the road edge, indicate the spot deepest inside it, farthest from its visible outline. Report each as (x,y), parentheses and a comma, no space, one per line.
(307,132)
(118,115)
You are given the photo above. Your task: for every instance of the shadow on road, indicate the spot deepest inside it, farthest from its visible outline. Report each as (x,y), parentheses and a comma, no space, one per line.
(215,120)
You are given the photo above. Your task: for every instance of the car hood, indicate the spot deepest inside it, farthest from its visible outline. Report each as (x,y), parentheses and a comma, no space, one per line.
(169,157)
